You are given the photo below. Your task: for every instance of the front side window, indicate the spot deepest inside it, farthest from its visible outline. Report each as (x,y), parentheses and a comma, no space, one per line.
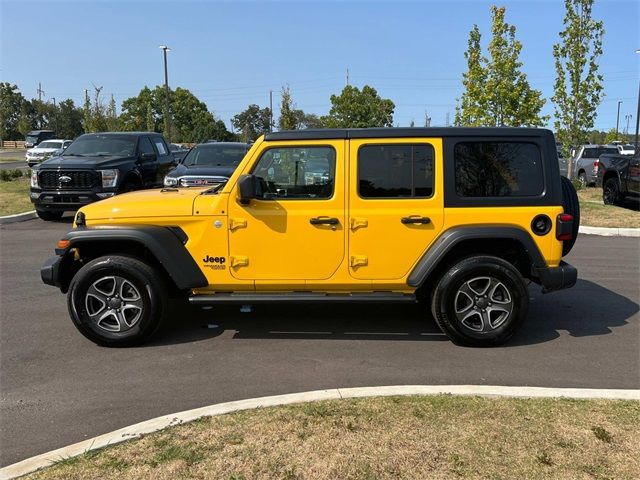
(395,171)
(498,169)
(297,173)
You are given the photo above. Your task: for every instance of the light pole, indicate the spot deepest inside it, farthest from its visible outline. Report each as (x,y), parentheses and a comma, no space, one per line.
(167,114)
(637,145)
(55,113)
(618,118)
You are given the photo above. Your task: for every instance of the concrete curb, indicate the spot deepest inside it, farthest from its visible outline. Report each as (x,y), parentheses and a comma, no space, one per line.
(18,217)
(610,232)
(155,424)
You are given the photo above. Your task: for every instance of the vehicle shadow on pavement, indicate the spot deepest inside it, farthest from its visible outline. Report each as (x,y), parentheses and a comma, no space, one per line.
(321,322)
(588,309)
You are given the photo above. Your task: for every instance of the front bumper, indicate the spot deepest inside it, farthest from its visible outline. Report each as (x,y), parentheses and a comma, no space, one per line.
(50,271)
(556,278)
(65,200)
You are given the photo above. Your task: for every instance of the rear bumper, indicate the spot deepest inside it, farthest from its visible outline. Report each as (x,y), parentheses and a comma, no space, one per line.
(557,278)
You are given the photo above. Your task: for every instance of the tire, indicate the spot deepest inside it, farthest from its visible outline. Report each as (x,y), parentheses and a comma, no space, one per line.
(582,178)
(611,192)
(571,206)
(49,216)
(462,311)
(117,301)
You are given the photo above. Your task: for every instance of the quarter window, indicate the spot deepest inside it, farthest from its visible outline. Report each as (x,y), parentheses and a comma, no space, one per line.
(395,171)
(297,173)
(162,150)
(498,169)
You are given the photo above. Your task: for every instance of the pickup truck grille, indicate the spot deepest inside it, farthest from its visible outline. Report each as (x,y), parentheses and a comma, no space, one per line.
(67,180)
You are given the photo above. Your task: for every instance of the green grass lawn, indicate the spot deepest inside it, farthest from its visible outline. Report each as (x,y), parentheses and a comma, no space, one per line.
(14,196)
(595,213)
(432,437)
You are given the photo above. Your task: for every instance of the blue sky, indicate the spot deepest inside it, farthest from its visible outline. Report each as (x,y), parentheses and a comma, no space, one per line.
(230,54)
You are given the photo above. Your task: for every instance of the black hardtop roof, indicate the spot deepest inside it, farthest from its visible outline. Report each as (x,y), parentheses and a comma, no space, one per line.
(132,134)
(224,144)
(340,133)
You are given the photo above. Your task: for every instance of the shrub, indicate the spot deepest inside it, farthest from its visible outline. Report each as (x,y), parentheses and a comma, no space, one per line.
(9,175)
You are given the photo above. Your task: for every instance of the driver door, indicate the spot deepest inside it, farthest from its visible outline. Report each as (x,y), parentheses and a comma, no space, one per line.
(295,230)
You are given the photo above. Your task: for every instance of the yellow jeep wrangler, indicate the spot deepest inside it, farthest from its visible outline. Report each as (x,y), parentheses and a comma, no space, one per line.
(459,218)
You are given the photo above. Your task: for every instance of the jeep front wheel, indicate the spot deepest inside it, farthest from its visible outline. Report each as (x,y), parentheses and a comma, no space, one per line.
(117,301)
(480,301)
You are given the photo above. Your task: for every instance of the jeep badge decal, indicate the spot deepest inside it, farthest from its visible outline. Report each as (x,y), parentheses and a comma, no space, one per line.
(215,263)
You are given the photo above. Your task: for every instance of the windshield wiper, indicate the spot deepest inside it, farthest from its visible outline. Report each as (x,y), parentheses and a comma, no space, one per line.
(214,189)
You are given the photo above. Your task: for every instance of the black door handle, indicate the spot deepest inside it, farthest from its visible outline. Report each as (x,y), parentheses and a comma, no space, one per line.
(324,221)
(415,219)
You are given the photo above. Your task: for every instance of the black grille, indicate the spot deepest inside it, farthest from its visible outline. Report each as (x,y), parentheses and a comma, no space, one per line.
(81,179)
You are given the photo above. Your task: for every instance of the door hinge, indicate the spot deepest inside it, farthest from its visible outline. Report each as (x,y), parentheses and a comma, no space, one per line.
(356,223)
(359,261)
(237,223)
(238,261)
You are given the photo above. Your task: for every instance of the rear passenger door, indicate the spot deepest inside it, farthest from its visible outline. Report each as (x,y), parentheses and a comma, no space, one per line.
(395,205)
(148,168)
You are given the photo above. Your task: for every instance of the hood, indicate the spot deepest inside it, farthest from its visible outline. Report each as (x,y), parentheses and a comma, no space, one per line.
(67,161)
(182,170)
(43,150)
(143,204)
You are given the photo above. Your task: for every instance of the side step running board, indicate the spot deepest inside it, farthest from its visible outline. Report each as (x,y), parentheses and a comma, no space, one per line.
(301,297)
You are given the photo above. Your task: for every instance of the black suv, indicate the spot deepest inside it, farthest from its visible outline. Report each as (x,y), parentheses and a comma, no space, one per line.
(97,166)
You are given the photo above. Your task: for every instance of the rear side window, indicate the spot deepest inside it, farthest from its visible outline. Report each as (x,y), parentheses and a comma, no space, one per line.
(395,171)
(162,150)
(498,169)
(145,146)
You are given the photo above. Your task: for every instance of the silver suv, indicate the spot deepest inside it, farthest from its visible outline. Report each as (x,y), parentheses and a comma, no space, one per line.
(585,162)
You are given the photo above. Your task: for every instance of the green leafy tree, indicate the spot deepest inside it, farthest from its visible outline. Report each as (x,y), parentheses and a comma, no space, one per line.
(307,120)
(497,92)
(354,108)
(578,87)
(111,118)
(470,110)
(191,120)
(288,119)
(69,121)
(252,122)
(12,106)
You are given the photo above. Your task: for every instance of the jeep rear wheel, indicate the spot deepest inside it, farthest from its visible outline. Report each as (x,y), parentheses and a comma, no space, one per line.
(480,301)
(117,301)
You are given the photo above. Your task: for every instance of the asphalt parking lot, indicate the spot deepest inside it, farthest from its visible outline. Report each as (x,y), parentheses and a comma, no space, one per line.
(58,388)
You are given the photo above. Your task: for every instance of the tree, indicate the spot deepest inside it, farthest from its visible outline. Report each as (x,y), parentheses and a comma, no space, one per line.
(69,124)
(577,91)
(470,111)
(287,120)
(111,118)
(12,106)
(252,122)
(359,109)
(497,92)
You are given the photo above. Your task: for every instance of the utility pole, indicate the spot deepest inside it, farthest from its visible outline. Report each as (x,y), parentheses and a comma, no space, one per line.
(55,114)
(427,119)
(618,118)
(447,121)
(626,128)
(347,76)
(40,92)
(271,110)
(167,115)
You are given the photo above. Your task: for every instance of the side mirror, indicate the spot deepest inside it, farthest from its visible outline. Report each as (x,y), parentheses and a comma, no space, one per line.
(248,186)
(147,157)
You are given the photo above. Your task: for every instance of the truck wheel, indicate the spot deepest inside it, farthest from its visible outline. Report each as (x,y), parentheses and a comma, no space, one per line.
(571,205)
(117,301)
(611,192)
(49,216)
(480,301)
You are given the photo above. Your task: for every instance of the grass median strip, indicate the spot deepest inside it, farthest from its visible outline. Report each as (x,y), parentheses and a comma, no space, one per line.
(14,196)
(594,213)
(377,438)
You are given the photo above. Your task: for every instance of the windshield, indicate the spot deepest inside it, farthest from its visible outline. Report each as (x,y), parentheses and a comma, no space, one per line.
(102,145)
(50,145)
(32,138)
(214,156)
